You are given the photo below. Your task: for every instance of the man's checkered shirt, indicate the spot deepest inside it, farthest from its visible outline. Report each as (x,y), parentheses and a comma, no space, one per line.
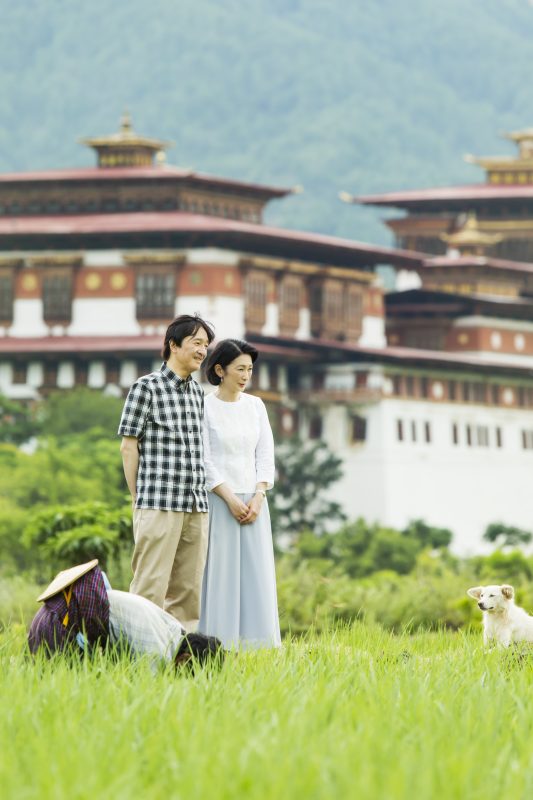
(165,413)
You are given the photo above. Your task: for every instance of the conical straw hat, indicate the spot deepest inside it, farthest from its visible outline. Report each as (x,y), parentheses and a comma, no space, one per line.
(65,578)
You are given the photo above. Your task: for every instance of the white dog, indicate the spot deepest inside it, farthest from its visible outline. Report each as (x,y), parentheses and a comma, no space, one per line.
(503,622)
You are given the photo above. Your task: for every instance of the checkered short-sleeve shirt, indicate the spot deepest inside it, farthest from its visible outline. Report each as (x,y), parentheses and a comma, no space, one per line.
(165,413)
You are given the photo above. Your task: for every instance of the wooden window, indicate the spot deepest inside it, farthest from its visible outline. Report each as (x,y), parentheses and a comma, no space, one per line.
(315,427)
(19,373)
(81,371)
(359,429)
(354,312)
(328,309)
(273,375)
(256,294)
(317,380)
(479,392)
(494,394)
(49,375)
(290,301)
(334,321)
(410,386)
(57,297)
(155,294)
(399,430)
(112,370)
(424,387)
(527,440)
(315,306)
(397,385)
(452,390)
(6,297)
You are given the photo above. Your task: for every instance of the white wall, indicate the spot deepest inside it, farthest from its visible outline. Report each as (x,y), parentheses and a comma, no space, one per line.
(455,486)
(28,318)
(226,314)
(373,332)
(104,316)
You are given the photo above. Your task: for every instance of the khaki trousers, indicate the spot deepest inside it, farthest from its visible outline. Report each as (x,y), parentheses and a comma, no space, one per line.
(169,559)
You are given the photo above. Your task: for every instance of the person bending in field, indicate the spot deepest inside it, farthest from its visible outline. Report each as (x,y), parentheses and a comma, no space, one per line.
(81,611)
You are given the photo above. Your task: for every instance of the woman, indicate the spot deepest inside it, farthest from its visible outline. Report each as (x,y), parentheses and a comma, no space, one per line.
(239,603)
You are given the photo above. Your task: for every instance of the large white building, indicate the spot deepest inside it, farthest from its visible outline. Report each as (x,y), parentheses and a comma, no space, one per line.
(427,395)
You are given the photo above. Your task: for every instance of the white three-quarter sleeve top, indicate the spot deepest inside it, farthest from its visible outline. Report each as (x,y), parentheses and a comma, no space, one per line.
(238,443)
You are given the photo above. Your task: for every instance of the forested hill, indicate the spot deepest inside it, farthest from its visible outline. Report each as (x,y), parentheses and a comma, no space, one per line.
(331,94)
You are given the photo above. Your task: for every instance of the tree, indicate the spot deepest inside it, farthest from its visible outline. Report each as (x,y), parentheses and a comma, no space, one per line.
(18,422)
(69,471)
(507,535)
(427,536)
(299,499)
(81,410)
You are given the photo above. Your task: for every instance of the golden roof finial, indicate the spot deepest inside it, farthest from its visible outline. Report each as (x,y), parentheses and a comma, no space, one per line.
(126,148)
(125,123)
(469,239)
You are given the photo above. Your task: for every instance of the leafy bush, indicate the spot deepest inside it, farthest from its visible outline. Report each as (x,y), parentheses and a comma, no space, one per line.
(73,534)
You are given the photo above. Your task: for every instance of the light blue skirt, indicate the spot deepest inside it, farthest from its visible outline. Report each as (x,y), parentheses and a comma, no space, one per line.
(239,602)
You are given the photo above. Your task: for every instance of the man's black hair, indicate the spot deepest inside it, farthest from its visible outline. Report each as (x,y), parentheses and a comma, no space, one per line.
(183,326)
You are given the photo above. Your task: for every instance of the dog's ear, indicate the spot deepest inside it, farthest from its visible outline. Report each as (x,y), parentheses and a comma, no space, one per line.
(475,592)
(507,591)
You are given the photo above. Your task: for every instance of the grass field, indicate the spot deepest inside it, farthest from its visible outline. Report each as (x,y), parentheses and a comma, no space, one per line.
(356,713)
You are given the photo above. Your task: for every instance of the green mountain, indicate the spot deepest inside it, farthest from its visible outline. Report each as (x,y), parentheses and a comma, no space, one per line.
(331,94)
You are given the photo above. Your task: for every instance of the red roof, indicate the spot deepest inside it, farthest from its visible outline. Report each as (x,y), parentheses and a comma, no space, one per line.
(396,355)
(70,345)
(81,344)
(82,174)
(473,192)
(179,221)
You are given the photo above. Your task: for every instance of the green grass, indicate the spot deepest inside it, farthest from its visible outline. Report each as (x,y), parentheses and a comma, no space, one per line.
(354,713)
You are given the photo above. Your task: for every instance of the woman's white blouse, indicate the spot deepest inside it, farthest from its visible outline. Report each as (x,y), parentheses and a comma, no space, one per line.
(238,443)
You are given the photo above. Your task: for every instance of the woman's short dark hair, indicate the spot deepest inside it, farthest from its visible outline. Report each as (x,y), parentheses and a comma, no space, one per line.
(184,326)
(224,353)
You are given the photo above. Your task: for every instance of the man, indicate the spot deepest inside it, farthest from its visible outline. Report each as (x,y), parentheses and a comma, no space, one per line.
(162,453)
(80,610)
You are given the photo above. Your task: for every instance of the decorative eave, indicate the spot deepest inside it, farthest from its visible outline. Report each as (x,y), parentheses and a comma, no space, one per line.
(284,266)
(141,258)
(55,260)
(430,302)
(519,267)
